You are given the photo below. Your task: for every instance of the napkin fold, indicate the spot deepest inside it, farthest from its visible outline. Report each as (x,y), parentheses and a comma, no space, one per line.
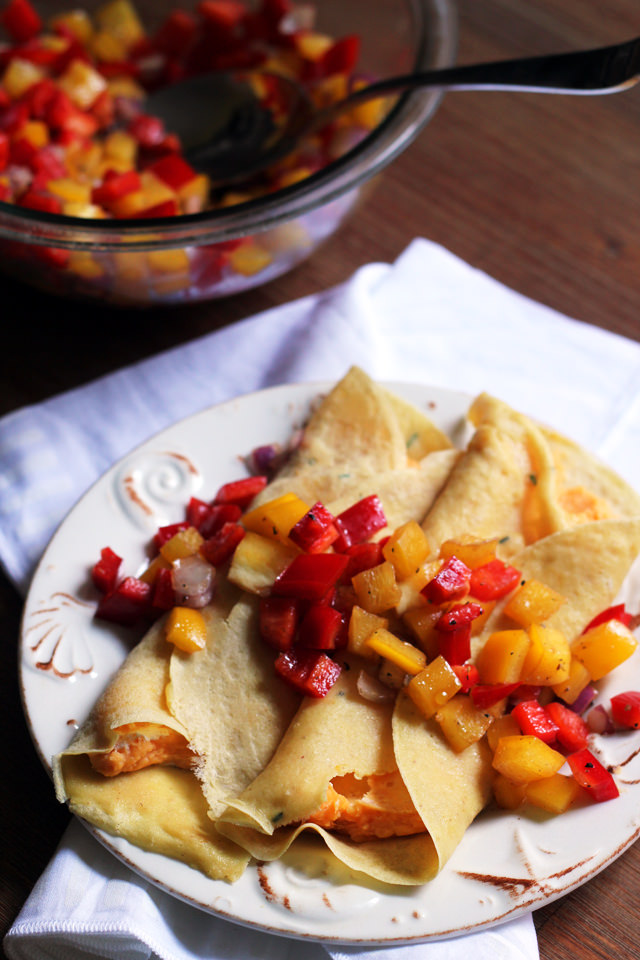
(427,318)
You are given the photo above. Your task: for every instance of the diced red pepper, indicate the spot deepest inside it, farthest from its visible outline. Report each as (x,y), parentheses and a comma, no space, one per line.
(362,556)
(240,492)
(177,33)
(226,14)
(127,604)
(493,580)
(164,593)
(359,522)
(220,547)
(20,20)
(105,572)
(40,201)
(4,150)
(591,775)
(148,131)
(114,186)
(196,512)
(455,644)
(450,583)
(524,691)
(164,534)
(310,576)
(488,694)
(173,170)
(278,619)
(573,732)
(311,672)
(316,531)
(467,673)
(218,514)
(341,57)
(321,627)
(533,720)
(625,709)
(458,616)
(168,208)
(616,612)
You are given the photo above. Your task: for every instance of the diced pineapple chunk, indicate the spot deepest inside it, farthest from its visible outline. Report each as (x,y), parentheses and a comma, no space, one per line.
(182,544)
(507,794)
(472,552)
(502,657)
(421,621)
(377,589)
(361,625)
(555,794)
(276,517)
(119,17)
(579,677)
(462,723)
(504,726)
(433,686)
(257,561)
(526,758)
(20,75)
(82,83)
(533,602)
(406,549)
(548,658)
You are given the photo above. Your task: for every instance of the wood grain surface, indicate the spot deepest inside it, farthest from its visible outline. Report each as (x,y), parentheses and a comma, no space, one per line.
(539,191)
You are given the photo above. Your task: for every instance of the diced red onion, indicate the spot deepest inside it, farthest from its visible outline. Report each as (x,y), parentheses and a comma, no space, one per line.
(584,699)
(372,689)
(193,581)
(301,17)
(599,721)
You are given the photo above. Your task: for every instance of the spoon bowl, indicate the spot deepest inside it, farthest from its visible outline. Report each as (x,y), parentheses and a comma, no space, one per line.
(228,132)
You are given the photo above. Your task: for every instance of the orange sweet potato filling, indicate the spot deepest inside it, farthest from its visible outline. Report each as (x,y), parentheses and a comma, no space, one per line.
(135,751)
(372,808)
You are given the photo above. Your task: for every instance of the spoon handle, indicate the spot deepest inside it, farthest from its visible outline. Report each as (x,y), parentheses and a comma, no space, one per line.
(604,70)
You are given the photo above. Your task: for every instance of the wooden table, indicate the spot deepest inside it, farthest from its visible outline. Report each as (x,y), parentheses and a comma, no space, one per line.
(540,192)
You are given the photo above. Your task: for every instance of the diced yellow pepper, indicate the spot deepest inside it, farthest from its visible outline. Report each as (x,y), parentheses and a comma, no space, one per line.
(399,651)
(533,602)
(20,75)
(257,561)
(88,211)
(131,267)
(526,758)
(36,132)
(571,688)
(478,624)
(548,658)
(70,190)
(76,22)
(473,553)
(84,264)
(119,17)
(249,259)
(168,261)
(406,549)
(507,794)
(462,723)
(120,145)
(276,517)
(555,794)
(504,726)
(433,686)
(296,175)
(502,657)
(361,625)
(186,629)
(194,195)
(158,563)
(182,544)
(605,647)
(376,589)
(125,86)
(107,47)
(82,83)
(312,45)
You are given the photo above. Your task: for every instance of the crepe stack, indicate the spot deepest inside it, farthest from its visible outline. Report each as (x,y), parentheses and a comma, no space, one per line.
(238,766)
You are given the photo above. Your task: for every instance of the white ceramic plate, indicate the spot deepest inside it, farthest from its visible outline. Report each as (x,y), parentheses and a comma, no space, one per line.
(506,864)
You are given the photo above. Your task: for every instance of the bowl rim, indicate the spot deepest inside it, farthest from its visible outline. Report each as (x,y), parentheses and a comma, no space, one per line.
(437,47)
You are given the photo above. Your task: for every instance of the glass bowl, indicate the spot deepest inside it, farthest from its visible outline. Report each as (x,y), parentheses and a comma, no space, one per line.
(223,251)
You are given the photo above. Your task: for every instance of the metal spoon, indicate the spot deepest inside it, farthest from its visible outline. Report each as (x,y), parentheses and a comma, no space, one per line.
(227,132)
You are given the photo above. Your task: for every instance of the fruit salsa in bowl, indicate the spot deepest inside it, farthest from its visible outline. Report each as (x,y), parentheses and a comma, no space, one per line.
(97,199)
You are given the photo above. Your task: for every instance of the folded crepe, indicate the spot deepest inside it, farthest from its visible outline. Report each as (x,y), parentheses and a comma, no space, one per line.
(228,764)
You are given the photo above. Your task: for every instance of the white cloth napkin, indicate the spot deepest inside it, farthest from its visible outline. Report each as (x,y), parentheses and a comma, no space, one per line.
(428,318)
